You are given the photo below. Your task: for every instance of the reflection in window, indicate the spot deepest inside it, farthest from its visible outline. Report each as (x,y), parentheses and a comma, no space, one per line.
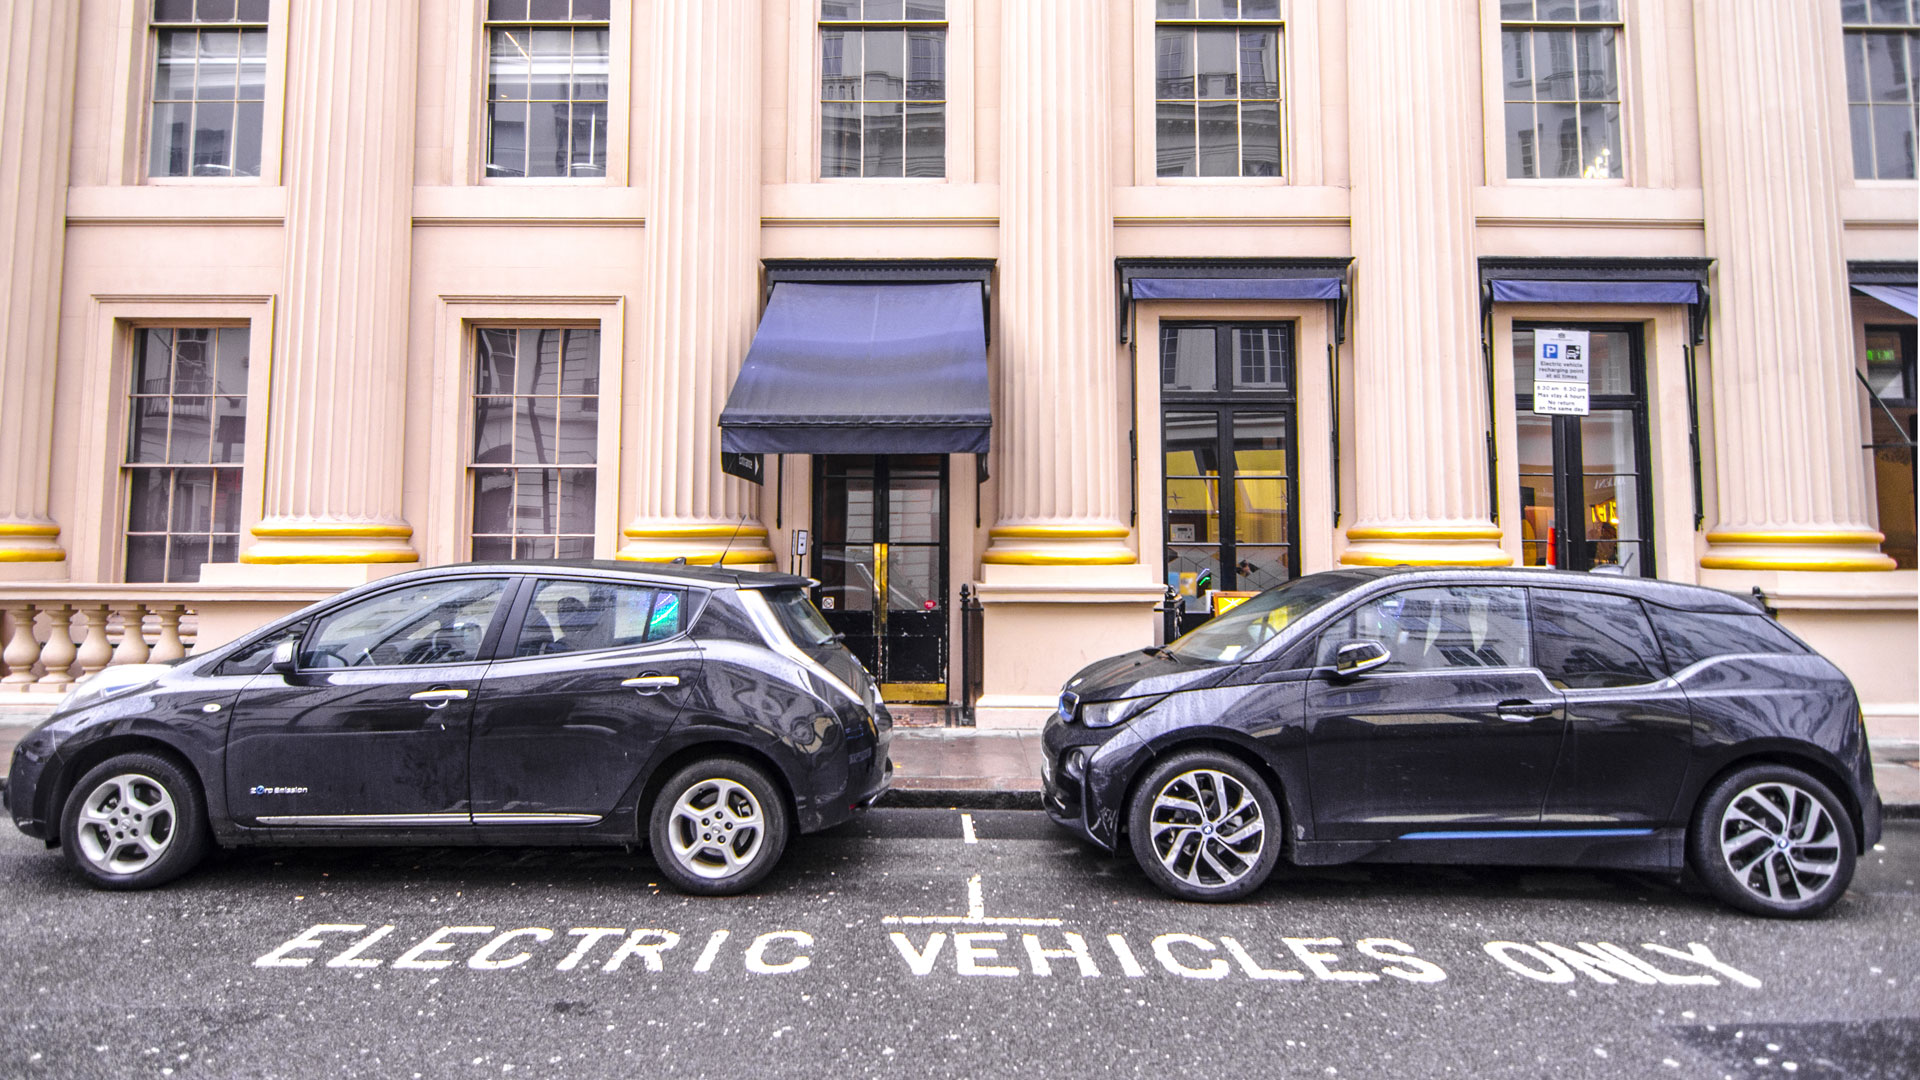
(883,88)
(547,88)
(1883,85)
(1437,629)
(587,616)
(1559,64)
(209,87)
(536,432)
(1590,640)
(186,440)
(1217,88)
(1891,430)
(437,622)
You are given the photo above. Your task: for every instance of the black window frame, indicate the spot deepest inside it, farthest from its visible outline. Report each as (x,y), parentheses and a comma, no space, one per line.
(1567,447)
(1889,408)
(1225,401)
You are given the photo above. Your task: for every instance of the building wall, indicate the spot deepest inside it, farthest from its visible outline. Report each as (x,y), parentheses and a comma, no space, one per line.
(130,251)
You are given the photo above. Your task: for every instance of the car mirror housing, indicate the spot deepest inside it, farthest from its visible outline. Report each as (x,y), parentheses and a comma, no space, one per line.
(283,661)
(1359,657)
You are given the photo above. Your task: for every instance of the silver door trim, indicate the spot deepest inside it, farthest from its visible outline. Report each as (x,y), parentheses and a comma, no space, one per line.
(459,818)
(508,818)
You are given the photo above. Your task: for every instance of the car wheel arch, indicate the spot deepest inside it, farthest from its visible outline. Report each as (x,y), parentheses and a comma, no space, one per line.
(648,788)
(53,797)
(1792,758)
(1219,742)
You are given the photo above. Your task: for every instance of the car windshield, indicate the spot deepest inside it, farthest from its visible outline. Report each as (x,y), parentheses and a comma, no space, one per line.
(1253,623)
(799,618)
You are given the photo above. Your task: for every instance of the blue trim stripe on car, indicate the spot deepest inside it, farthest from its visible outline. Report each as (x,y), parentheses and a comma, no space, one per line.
(1526,834)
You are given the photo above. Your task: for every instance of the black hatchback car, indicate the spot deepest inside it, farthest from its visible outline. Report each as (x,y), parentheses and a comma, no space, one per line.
(1474,716)
(706,713)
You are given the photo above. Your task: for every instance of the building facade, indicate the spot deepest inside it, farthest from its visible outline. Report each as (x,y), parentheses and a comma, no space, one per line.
(1093,307)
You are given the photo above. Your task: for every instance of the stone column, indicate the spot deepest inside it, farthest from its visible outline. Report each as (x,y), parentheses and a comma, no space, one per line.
(1420,408)
(1057,447)
(338,408)
(36,128)
(702,172)
(1792,481)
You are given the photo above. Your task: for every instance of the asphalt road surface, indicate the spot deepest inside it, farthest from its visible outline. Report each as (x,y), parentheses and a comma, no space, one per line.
(894,946)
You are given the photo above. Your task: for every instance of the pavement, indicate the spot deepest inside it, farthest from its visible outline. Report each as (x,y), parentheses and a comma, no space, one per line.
(983,769)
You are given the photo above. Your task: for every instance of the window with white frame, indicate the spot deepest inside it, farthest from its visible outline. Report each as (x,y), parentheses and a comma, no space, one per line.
(536,430)
(547,65)
(1216,87)
(1883,85)
(186,442)
(1560,70)
(883,88)
(209,87)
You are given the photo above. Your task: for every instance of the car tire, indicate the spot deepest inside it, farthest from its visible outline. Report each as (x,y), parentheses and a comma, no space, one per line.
(718,826)
(135,821)
(1771,840)
(1205,826)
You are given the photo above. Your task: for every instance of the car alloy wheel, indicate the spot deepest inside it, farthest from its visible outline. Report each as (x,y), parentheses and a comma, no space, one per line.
(1205,826)
(1772,840)
(718,826)
(1779,842)
(133,822)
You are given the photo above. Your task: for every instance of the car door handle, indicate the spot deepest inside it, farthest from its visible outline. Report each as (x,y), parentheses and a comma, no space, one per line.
(437,699)
(1520,711)
(651,683)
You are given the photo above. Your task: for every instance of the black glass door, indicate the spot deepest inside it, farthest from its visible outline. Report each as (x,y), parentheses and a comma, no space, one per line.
(1585,496)
(880,553)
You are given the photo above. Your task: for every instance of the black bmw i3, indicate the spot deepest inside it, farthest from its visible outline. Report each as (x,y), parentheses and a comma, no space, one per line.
(1510,716)
(706,713)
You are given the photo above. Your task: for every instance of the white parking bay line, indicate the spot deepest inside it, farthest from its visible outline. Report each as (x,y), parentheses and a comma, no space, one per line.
(966,829)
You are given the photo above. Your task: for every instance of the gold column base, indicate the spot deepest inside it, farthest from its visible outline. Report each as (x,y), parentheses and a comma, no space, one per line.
(1437,544)
(1059,544)
(281,541)
(702,543)
(30,541)
(1796,549)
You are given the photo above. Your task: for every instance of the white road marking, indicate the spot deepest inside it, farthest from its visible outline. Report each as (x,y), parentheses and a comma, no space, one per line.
(717,939)
(966,829)
(1123,952)
(976,914)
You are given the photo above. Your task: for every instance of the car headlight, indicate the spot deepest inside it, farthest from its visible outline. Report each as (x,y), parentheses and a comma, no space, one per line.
(111,683)
(1100,714)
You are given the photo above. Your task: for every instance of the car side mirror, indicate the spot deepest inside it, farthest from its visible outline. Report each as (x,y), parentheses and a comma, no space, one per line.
(283,661)
(1359,657)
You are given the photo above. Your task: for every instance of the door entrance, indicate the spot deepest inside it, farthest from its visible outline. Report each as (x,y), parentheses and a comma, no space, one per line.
(1584,490)
(880,552)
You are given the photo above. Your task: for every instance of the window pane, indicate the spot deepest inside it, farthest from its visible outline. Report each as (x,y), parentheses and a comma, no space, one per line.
(507,140)
(192,426)
(883,9)
(1553,65)
(1440,629)
(580,371)
(1261,357)
(927,65)
(1887,67)
(219,67)
(147,499)
(435,623)
(840,65)
(1534,435)
(926,9)
(1856,48)
(1220,140)
(229,430)
(1218,63)
(550,64)
(1261,566)
(492,503)
(1516,9)
(192,501)
(193,362)
(1600,141)
(1600,10)
(1589,640)
(1861,120)
(886,65)
(581,616)
(153,362)
(577,490)
(1175,9)
(536,501)
(1259,9)
(1260,139)
(533,432)
(1557,10)
(1174,138)
(253,66)
(1522,141)
(1516,64)
(1187,358)
(579,430)
(539,361)
(174,52)
(172,140)
(1599,76)
(1173,63)
(533,547)
(226,501)
(1559,139)
(509,65)
(547,138)
(246,139)
(146,558)
(492,430)
(1259,64)
(926,140)
(1893,141)
(839,139)
(147,429)
(492,549)
(493,361)
(590,65)
(882,152)
(213,138)
(185,556)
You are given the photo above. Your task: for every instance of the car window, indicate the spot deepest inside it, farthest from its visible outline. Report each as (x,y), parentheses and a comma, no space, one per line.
(799,618)
(1586,640)
(253,657)
(1438,628)
(1248,626)
(587,616)
(1692,636)
(434,622)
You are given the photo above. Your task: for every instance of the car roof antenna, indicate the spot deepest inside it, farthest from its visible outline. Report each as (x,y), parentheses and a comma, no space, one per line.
(722,560)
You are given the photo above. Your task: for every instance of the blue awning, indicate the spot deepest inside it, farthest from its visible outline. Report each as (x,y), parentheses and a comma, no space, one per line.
(1606,291)
(1226,288)
(864,369)
(1898,297)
